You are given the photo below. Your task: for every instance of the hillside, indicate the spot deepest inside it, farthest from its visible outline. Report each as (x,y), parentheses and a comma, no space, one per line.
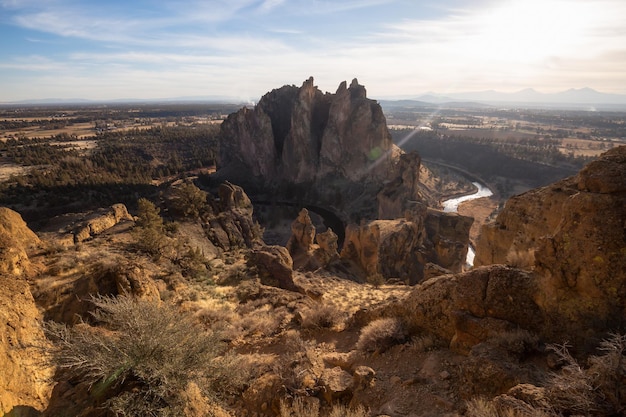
(179,307)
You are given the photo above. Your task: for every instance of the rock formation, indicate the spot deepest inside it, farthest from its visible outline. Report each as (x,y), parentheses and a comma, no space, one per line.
(100,221)
(16,239)
(403,248)
(403,189)
(309,250)
(300,135)
(274,267)
(448,239)
(576,292)
(573,233)
(25,378)
(335,151)
(229,225)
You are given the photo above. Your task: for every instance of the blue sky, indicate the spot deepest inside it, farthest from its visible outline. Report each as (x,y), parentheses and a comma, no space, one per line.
(117,49)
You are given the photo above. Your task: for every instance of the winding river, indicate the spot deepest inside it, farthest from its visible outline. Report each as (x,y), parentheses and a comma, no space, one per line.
(452,205)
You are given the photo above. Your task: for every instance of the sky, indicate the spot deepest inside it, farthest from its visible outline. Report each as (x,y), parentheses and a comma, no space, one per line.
(141,49)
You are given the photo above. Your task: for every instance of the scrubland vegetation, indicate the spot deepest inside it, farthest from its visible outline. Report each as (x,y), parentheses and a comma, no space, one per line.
(144,321)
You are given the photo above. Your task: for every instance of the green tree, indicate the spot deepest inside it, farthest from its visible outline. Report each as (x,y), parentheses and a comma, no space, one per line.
(188,200)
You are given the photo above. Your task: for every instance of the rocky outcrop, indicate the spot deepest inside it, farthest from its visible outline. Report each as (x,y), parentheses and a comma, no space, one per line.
(230,225)
(403,248)
(98,222)
(448,239)
(300,135)
(309,250)
(403,190)
(387,247)
(298,143)
(16,239)
(25,378)
(573,233)
(274,267)
(468,308)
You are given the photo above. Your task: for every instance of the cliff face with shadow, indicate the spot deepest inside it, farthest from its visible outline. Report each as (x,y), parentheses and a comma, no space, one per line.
(573,235)
(301,135)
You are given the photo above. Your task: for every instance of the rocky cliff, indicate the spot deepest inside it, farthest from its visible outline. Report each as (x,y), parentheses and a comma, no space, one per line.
(301,135)
(24,375)
(15,240)
(573,234)
(424,243)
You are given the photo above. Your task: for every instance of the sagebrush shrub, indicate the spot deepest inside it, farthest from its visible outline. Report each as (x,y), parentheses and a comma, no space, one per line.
(139,359)
(321,316)
(381,334)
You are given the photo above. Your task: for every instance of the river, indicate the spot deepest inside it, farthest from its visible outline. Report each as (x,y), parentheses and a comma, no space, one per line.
(452,205)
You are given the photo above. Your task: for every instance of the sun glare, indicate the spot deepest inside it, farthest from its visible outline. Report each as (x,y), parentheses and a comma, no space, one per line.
(528,31)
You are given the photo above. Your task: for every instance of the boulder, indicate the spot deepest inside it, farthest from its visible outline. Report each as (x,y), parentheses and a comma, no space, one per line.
(100,221)
(336,383)
(133,279)
(467,308)
(274,266)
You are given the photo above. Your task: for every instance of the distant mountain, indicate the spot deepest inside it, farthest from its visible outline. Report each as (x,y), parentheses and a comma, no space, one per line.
(575,98)
(79,101)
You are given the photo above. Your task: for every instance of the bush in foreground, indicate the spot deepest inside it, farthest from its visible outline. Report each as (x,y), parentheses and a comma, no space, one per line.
(139,360)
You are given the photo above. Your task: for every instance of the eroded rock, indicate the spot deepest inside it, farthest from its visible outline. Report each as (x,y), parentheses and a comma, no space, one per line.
(573,233)
(100,221)
(25,379)
(16,239)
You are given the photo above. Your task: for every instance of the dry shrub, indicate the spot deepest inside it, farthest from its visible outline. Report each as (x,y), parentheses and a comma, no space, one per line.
(598,390)
(310,407)
(265,320)
(571,389)
(517,342)
(342,411)
(609,371)
(321,316)
(141,359)
(426,343)
(381,334)
(300,407)
(481,407)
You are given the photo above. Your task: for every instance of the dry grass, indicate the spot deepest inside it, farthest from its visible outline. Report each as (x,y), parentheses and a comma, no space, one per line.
(481,407)
(310,407)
